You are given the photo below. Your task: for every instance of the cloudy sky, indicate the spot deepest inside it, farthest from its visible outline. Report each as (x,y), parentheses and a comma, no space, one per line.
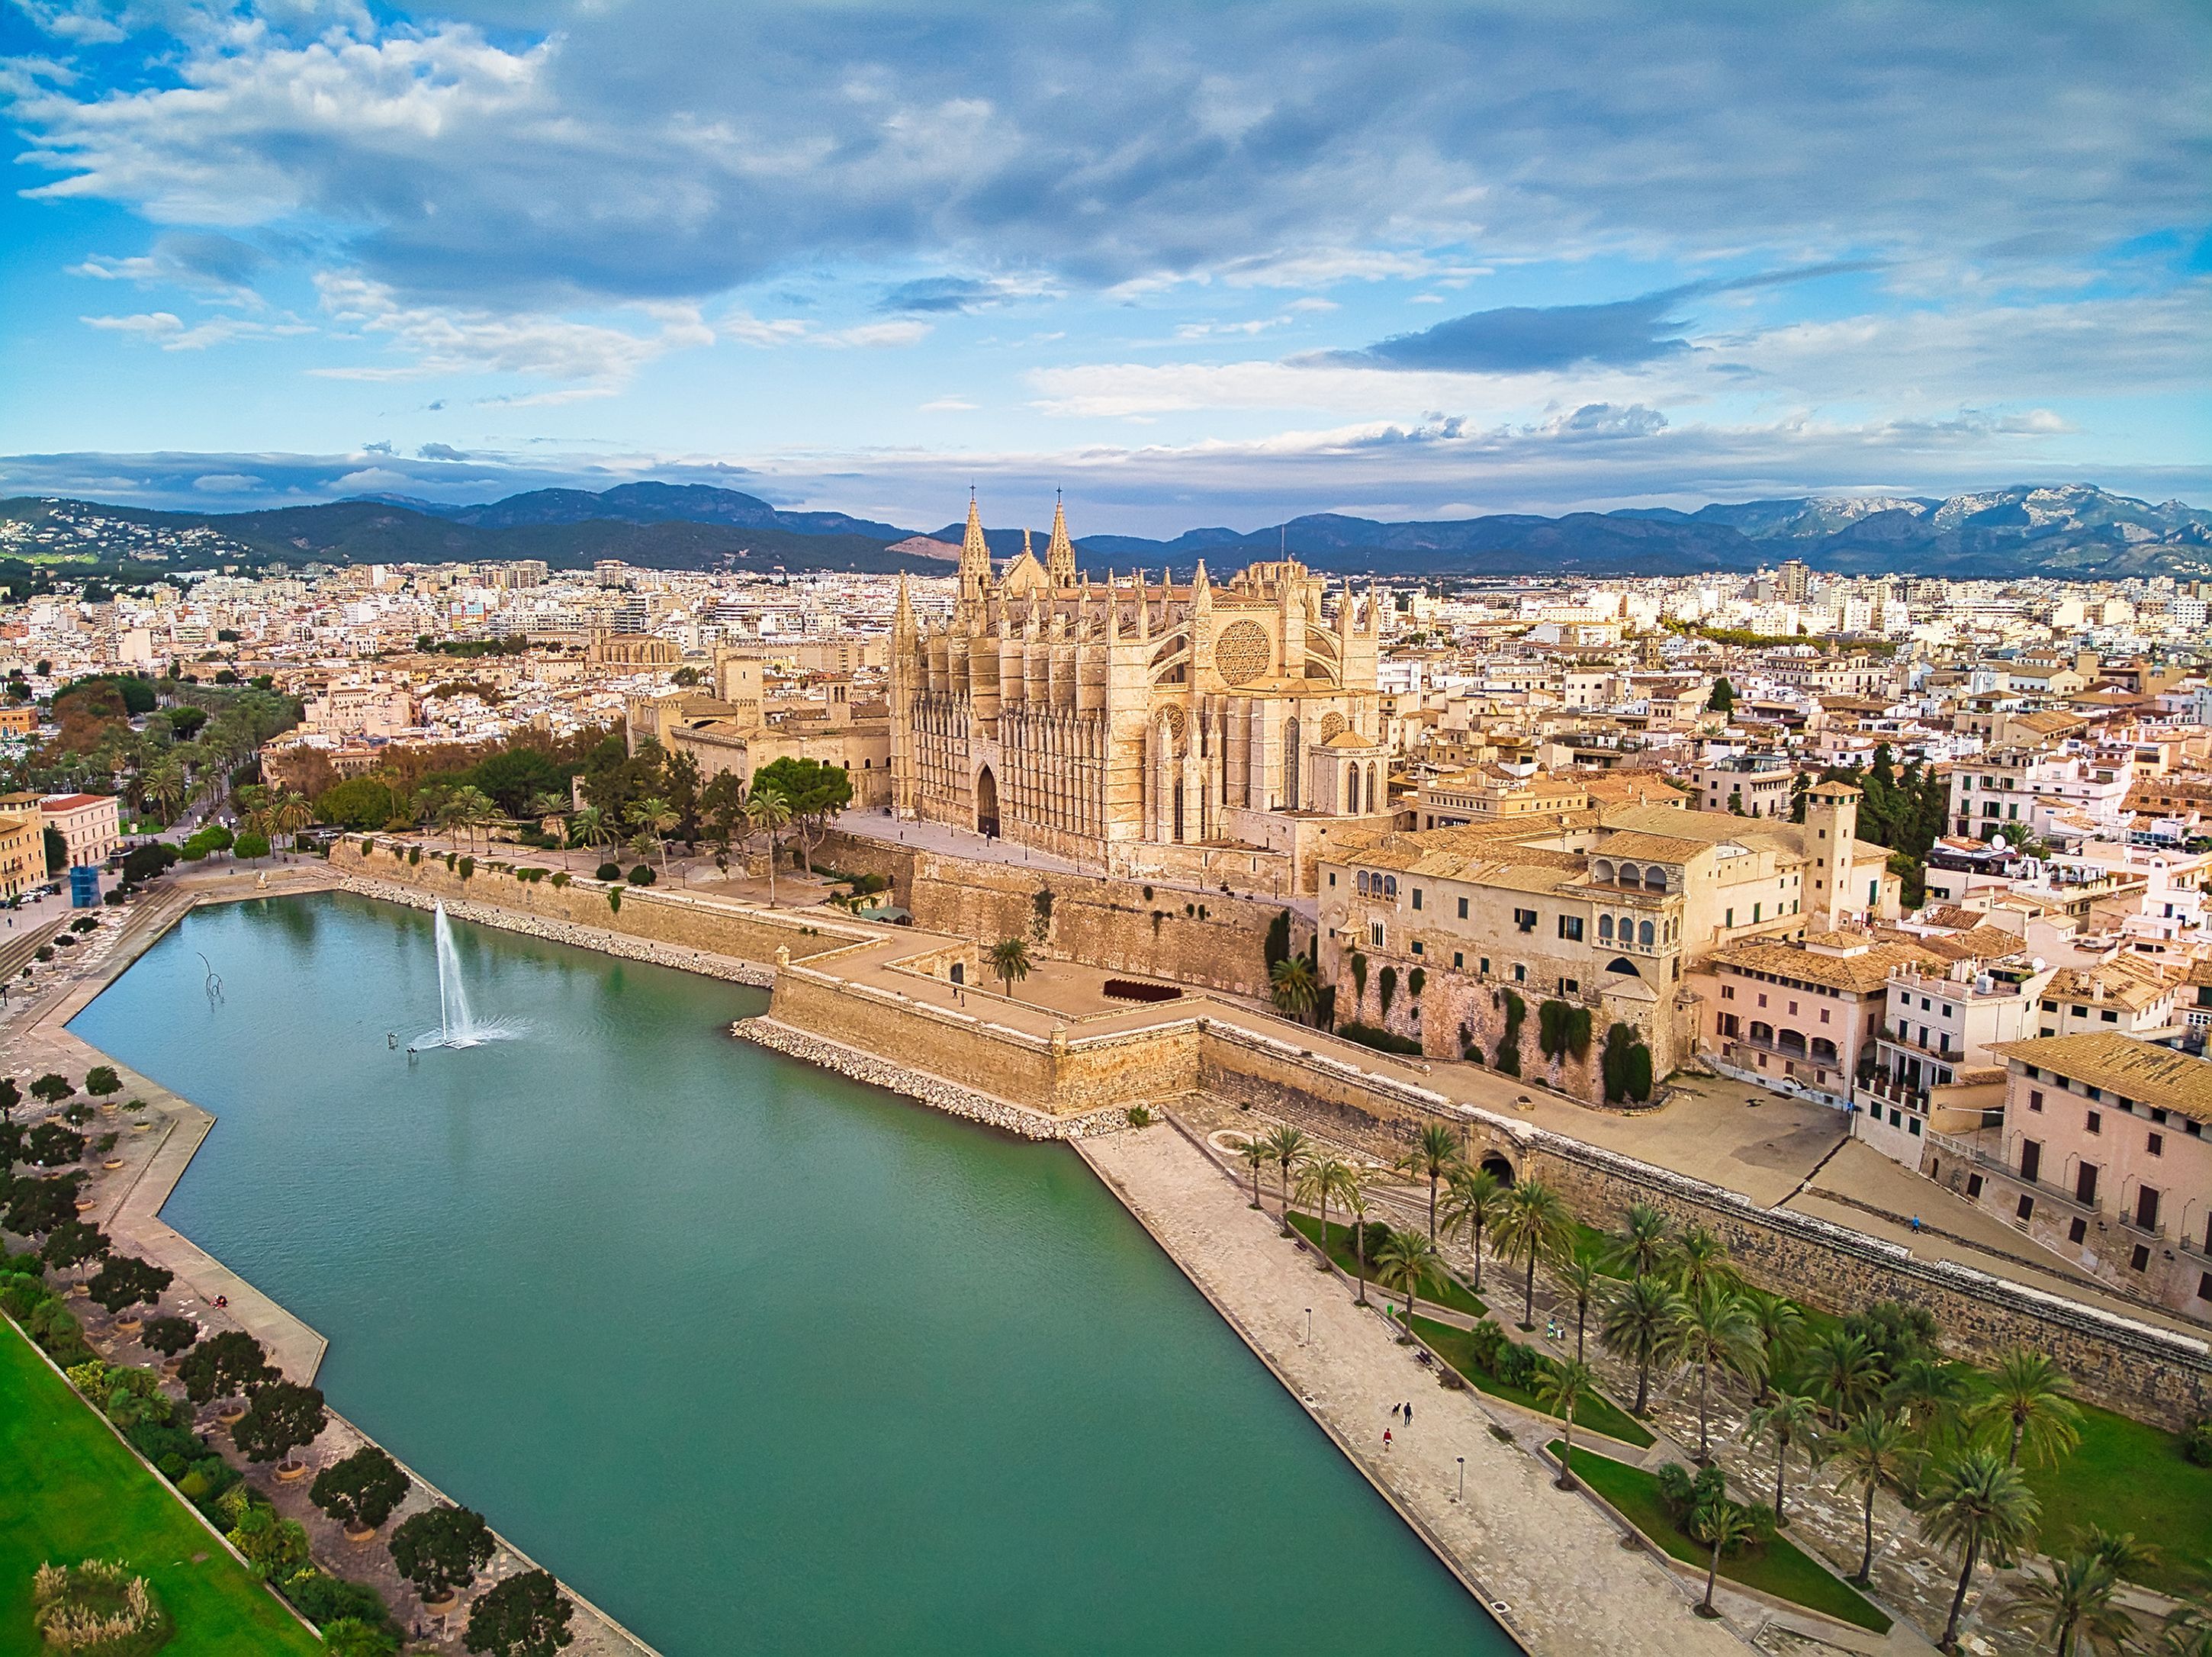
(1197,265)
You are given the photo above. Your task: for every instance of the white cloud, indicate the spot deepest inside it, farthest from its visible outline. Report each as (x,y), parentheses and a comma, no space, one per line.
(441,339)
(947,406)
(147,325)
(225,483)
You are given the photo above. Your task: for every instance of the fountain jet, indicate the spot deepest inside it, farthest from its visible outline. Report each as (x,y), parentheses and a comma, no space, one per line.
(457,1026)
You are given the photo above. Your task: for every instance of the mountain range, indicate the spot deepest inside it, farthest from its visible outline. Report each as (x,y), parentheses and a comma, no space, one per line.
(2068,530)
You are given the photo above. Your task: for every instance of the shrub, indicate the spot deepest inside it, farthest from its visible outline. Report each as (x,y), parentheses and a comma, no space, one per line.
(97,1607)
(367,844)
(1140,1117)
(252,843)
(351,1637)
(275,1547)
(326,1600)
(609,871)
(641,875)
(414,856)
(1386,987)
(85,924)
(1370,1035)
(560,877)
(1416,981)
(2197,1442)
(465,868)
(614,898)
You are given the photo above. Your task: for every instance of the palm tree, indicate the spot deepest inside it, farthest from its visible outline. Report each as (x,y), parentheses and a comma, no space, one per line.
(1875,1450)
(1579,1281)
(1564,1388)
(2187,1630)
(1714,1327)
(1843,1370)
(466,808)
(589,827)
(1010,962)
(166,786)
(1931,1396)
(1535,1225)
(289,812)
(2074,1602)
(1320,1176)
(1295,987)
(1474,1198)
(1285,1145)
(655,817)
(1973,1502)
(1636,1324)
(1256,1156)
(1644,1241)
(1353,1191)
(1781,1331)
(1697,1259)
(768,811)
(2030,1401)
(1434,1154)
(1407,1260)
(1791,1419)
(1720,1524)
(2118,1549)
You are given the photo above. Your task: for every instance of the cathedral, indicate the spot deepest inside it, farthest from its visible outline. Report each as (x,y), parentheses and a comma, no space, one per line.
(1135,726)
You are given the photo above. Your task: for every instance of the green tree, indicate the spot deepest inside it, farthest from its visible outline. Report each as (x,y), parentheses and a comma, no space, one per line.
(280,1417)
(1699,1260)
(1636,1324)
(1876,1453)
(356,1637)
(1714,1330)
(361,1492)
(1408,1261)
(1320,1177)
(1932,1397)
(275,1547)
(71,1243)
(1256,1155)
(359,803)
(1790,1420)
(1580,1279)
(2075,1603)
(1971,1503)
(1435,1152)
(1009,960)
(1474,1198)
(224,1366)
(54,1088)
(654,818)
(1722,699)
(1285,1145)
(1843,1371)
(1294,987)
(440,1549)
(2029,1404)
(168,1336)
(1780,1331)
(126,1281)
(101,1081)
(1534,1225)
(770,812)
(1357,1201)
(1644,1241)
(1721,1525)
(525,1616)
(815,792)
(1564,1389)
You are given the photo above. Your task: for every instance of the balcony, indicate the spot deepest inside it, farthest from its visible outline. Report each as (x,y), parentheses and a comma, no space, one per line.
(1895,1091)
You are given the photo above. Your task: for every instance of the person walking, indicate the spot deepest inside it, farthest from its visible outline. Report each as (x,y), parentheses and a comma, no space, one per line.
(1409,1413)
(1386,1440)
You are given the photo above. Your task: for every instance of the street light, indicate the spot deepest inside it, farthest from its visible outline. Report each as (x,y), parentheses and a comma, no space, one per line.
(1309,1325)
(1462,1497)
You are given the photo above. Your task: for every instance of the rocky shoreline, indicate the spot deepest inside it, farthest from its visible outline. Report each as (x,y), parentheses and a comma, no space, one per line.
(925,1089)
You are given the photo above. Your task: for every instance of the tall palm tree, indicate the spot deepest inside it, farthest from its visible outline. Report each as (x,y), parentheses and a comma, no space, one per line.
(2030,1402)
(1407,1260)
(1294,986)
(1473,1198)
(166,786)
(2118,1549)
(1720,1524)
(2074,1603)
(1792,1419)
(1010,962)
(654,816)
(1644,1240)
(1356,1198)
(1564,1388)
(1843,1372)
(2187,1630)
(1714,1329)
(1256,1156)
(1970,1503)
(1781,1323)
(289,812)
(1434,1154)
(1320,1176)
(589,827)
(1875,1451)
(1285,1145)
(1579,1281)
(1636,1324)
(1535,1226)
(1932,1397)
(768,812)
(1699,1258)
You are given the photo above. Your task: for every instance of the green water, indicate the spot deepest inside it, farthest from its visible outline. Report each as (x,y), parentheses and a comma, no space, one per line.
(758,1358)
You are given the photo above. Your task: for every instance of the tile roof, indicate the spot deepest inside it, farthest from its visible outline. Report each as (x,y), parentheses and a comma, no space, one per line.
(1862,973)
(2141,1071)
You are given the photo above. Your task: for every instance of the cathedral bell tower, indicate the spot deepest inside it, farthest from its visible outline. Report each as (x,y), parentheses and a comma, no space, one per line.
(1059,552)
(975,558)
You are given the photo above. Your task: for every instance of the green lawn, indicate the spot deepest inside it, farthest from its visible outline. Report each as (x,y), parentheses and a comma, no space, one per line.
(1457,1349)
(1451,1293)
(2129,1476)
(71,1492)
(1782,1569)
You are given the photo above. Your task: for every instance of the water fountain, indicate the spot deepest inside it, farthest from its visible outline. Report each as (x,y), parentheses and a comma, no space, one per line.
(457,1024)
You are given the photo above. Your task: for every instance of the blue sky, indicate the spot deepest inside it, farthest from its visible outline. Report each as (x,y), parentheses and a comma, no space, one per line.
(1194,265)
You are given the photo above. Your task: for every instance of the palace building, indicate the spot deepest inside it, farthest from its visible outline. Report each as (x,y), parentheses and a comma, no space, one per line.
(1220,733)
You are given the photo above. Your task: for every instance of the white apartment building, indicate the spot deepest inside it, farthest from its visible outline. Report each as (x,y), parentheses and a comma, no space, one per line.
(2037,789)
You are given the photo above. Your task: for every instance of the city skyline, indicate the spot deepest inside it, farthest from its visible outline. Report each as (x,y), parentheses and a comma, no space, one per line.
(1218,270)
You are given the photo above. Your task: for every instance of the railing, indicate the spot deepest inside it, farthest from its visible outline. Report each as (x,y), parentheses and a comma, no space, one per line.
(1885,1086)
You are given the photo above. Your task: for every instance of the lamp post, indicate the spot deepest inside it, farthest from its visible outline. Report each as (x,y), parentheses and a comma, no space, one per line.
(1309,1325)
(1462,1497)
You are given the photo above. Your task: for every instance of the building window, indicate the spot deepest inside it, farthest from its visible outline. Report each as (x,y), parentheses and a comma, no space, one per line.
(1520,973)
(1374,935)
(2155,1144)
(1525,919)
(2078,1230)
(1463,909)
(2140,1260)
(1973,1186)
(1570,986)
(1417,897)
(1912,1126)
(2095,1123)
(1570,928)
(1486,966)
(2035,1099)
(1419,949)
(1604,933)
(1728,992)
(1332,877)
(2026,1211)
(2204,1286)
(1459,962)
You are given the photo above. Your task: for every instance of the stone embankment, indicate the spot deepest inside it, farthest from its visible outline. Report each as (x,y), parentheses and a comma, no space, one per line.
(926,1089)
(754,973)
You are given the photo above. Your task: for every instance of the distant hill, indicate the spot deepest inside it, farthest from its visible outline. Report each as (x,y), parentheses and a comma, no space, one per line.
(2074,530)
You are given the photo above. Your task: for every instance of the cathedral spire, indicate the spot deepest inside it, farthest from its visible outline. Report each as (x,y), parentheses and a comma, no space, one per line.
(1059,552)
(902,627)
(975,558)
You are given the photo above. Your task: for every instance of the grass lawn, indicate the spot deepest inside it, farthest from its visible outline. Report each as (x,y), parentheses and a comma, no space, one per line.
(71,1492)
(1782,1569)
(1457,1347)
(2129,1477)
(1455,1294)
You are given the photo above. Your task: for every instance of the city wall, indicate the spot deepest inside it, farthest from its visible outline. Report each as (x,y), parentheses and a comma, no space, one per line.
(1216,940)
(669,919)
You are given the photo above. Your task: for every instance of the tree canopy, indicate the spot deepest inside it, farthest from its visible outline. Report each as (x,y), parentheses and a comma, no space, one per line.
(440,1549)
(526,1616)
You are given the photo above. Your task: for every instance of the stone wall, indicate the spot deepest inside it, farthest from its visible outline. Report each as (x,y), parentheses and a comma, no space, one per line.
(665,918)
(1109,924)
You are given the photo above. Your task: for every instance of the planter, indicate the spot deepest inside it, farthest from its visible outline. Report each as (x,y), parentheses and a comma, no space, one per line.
(128,1323)
(140,1127)
(361,1536)
(85,1205)
(442,1605)
(170,1366)
(78,1291)
(231,1414)
(113,1163)
(289,1470)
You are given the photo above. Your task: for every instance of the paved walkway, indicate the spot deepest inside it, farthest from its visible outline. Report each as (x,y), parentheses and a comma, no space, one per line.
(1552,1559)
